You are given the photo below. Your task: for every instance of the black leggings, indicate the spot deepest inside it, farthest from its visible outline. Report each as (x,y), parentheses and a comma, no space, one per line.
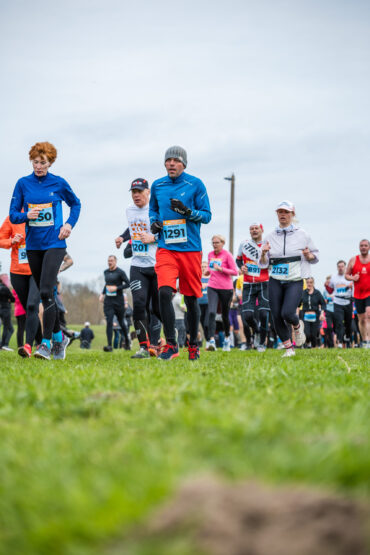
(204,320)
(6,319)
(311,330)
(343,321)
(29,296)
(168,315)
(285,297)
(144,289)
(21,326)
(215,296)
(253,292)
(45,267)
(112,308)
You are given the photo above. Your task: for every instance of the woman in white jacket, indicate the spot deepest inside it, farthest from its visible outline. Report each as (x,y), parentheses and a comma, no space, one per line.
(288,252)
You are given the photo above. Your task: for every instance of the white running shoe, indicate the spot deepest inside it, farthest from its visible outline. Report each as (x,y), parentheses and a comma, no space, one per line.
(289,353)
(299,335)
(227,345)
(6,348)
(243,347)
(340,345)
(261,349)
(212,345)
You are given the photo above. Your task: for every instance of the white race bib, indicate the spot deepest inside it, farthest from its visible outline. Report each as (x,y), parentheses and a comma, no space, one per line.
(174,231)
(46,216)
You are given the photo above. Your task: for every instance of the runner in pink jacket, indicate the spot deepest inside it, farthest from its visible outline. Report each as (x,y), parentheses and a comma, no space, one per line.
(222,266)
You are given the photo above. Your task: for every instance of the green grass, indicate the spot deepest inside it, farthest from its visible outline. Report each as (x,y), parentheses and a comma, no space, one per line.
(90,446)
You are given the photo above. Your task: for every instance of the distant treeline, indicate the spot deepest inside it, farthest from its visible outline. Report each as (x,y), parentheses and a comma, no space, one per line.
(82,304)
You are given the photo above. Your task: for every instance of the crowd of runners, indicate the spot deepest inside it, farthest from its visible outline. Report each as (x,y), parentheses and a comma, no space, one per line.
(266,297)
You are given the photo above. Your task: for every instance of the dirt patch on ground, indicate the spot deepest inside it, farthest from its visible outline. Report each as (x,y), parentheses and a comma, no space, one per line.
(250,519)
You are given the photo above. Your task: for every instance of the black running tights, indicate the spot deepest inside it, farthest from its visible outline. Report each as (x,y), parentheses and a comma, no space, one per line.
(44,267)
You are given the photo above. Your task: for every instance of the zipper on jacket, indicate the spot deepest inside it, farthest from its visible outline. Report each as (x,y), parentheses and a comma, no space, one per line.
(284,240)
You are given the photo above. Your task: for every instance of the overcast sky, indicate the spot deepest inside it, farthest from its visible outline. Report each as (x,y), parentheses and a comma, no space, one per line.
(276,91)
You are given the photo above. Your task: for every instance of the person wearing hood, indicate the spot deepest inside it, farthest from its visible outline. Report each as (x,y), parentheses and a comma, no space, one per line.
(288,252)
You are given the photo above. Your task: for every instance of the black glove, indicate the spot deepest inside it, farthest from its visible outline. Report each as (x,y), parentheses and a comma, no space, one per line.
(180,207)
(156,227)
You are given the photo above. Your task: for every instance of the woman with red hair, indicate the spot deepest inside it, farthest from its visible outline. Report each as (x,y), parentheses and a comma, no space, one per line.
(37,202)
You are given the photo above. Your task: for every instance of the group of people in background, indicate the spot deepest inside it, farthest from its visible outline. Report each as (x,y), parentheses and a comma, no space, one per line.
(171,287)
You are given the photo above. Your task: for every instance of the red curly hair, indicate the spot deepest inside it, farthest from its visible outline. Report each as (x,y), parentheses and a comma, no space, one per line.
(43,149)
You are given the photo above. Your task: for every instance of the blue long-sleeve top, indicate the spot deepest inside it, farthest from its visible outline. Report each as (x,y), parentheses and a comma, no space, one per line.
(47,192)
(183,236)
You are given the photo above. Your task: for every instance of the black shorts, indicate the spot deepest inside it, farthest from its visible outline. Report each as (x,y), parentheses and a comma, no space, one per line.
(362,304)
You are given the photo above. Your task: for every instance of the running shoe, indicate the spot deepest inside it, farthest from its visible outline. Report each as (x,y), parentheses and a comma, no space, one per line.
(261,348)
(243,347)
(43,352)
(299,335)
(107,349)
(212,345)
(169,352)
(193,352)
(127,345)
(141,353)
(25,351)
(207,345)
(6,348)
(58,349)
(227,345)
(289,353)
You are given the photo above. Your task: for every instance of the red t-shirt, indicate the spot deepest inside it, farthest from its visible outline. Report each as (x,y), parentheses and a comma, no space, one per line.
(362,286)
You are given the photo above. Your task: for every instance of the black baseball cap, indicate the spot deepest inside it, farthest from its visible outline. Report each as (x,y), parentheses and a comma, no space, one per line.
(139,183)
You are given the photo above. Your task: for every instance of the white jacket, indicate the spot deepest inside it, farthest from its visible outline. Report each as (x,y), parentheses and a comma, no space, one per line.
(285,259)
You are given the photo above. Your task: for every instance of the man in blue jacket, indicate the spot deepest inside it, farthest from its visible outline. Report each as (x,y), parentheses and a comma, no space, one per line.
(178,206)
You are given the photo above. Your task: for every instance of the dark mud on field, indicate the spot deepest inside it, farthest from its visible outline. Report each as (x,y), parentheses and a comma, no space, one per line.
(250,519)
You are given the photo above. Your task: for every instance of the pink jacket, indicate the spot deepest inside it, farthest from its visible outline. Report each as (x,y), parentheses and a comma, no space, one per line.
(225,260)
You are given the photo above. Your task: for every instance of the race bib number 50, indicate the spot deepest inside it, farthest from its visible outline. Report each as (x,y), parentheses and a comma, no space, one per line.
(46,216)
(174,231)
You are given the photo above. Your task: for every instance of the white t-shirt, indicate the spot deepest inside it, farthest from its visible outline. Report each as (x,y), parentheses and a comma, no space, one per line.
(342,289)
(143,254)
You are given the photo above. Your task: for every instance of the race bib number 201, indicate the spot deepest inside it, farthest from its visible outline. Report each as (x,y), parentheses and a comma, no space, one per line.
(46,216)
(139,248)
(174,231)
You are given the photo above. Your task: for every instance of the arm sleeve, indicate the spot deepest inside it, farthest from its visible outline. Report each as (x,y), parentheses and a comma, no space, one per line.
(125,282)
(16,215)
(126,235)
(73,202)
(92,335)
(6,235)
(127,253)
(330,287)
(202,211)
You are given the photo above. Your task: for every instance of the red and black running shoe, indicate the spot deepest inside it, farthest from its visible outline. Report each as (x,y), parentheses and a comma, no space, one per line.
(169,352)
(193,351)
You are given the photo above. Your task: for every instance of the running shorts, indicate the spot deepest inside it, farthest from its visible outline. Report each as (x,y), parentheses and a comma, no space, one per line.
(362,304)
(185,266)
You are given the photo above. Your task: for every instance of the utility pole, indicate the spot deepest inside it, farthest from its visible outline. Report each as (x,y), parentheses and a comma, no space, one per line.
(232,203)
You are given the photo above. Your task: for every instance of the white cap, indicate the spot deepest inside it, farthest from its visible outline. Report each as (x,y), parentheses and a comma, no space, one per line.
(286,205)
(87,323)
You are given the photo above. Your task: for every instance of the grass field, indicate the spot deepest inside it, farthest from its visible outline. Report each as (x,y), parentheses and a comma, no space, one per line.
(90,446)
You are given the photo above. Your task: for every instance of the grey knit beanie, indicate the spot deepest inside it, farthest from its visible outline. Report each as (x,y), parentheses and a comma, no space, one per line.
(176,152)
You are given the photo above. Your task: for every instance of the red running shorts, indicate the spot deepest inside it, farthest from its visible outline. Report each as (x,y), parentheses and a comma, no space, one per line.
(186,266)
